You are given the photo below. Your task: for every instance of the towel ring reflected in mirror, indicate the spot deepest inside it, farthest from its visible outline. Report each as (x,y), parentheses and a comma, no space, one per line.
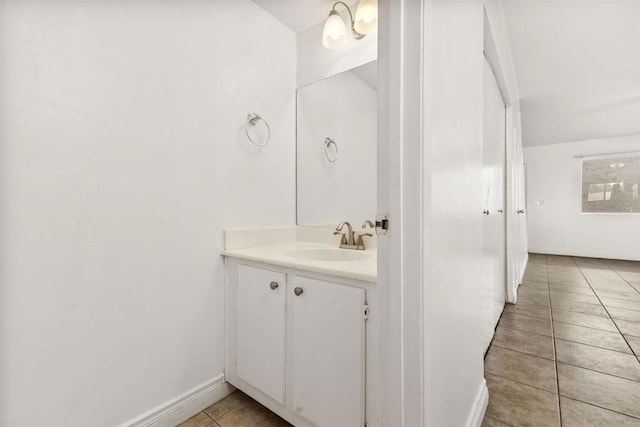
(328,142)
(252,120)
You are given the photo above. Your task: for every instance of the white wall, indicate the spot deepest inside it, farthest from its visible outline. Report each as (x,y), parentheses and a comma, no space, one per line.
(344,108)
(122,161)
(431,110)
(558,226)
(453,218)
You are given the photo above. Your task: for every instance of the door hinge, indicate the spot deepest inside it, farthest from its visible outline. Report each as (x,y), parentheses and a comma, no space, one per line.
(366,311)
(382,224)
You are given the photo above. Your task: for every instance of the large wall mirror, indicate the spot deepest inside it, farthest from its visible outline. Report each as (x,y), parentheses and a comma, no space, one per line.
(337,148)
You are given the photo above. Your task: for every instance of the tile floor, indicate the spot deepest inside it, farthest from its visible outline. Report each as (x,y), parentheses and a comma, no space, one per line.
(236,410)
(569,352)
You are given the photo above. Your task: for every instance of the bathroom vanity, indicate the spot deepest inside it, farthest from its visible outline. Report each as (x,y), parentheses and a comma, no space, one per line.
(301,325)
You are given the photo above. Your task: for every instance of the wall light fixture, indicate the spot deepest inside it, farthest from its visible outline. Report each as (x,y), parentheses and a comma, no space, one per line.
(334,34)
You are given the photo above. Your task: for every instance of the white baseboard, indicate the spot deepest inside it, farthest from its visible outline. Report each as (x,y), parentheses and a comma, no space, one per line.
(479,406)
(184,406)
(586,254)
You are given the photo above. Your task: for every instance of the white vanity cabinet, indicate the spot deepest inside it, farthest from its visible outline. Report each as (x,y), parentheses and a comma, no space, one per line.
(297,343)
(260,330)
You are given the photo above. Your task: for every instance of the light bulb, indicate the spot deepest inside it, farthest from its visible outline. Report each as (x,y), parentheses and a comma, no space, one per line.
(366,16)
(334,34)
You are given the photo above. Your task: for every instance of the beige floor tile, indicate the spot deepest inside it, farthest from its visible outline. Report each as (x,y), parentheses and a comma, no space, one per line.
(568,282)
(613,288)
(591,263)
(528,298)
(624,314)
(584,290)
(523,368)
(526,323)
(579,414)
(560,260)
(521,405)
(563,273)
(598,359)
(572,296)
(490,422)
(534,284)
(595,337)
(621,303)
(629,328)
(533,292)
(579,307)
(525,342)
(629,296)
(535,258)
(541,311)
(606,391)
(535,276)
(612,280)
(634,342)
(223,406)
(251,414)
(199,420)
(587,320)
(570,267)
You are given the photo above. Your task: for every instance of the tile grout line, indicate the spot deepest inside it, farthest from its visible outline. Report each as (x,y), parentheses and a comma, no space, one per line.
(605,308)
(567,323)
(522,352)
(521,383)
(622,277)
(601,407)
(561,339)
(600,372)
(553,341)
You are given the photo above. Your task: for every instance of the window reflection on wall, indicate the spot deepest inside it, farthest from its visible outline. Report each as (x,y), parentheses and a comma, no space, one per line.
(611,184)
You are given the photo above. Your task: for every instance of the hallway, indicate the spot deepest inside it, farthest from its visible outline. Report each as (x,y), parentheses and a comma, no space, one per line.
(568,353)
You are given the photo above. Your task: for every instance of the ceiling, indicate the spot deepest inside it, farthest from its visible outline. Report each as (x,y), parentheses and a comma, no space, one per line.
(578,68)
(577,63)
(299,15)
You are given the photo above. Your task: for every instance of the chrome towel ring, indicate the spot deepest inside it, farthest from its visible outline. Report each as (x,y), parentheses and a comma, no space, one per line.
(252,120)
(328,142)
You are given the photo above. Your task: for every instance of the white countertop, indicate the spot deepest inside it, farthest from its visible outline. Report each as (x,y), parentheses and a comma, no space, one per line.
(274,246)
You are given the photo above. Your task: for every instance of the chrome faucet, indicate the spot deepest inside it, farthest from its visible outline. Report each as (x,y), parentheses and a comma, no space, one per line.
(348,240)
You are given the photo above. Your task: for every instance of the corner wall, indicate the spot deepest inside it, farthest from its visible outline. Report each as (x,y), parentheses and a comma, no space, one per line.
(554,176)
(122,160)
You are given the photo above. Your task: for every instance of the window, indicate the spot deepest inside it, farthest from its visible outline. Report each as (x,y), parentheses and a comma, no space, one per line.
(610,184)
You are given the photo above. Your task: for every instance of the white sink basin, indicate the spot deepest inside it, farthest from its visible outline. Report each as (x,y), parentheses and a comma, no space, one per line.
(329,254)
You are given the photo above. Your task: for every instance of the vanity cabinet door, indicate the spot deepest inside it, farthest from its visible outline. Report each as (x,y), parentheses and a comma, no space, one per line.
(260,330)
(327,352)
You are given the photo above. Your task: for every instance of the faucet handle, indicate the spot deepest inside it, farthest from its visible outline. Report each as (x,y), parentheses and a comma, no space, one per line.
(360,242)
(343,240)
(369,223)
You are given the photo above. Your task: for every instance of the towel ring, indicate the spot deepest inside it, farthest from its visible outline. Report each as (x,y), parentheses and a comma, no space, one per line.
(252,120)
(328,142)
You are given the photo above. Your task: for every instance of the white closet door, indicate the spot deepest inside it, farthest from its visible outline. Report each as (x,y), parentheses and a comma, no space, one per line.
(494,226)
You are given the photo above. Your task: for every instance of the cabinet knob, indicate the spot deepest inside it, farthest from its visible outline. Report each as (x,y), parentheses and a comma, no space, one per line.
(486,212)
(500,211)
(298,291)
(520,211)
(273,285)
